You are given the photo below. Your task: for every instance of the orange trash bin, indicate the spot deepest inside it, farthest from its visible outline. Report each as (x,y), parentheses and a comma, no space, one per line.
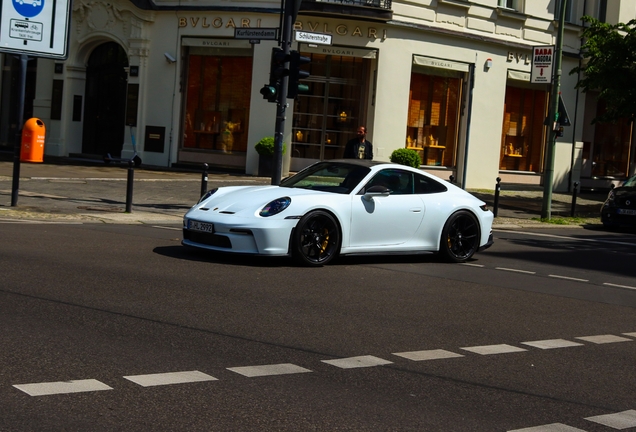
(32,146)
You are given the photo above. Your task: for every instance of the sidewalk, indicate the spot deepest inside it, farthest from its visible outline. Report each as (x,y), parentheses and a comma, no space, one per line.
(97,193)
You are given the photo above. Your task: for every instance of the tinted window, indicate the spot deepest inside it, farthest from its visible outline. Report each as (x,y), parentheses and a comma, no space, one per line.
(399,182)
(426,185)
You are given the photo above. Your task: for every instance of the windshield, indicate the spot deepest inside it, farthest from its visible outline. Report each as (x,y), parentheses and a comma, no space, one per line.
(332,177)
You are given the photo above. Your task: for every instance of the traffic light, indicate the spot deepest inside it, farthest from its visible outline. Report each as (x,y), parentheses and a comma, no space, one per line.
(277,71)
(296,74)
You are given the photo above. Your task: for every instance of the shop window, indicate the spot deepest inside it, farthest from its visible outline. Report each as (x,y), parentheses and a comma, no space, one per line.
(523,130)
(611,146)
(328,115)
(432,125)
(217,103)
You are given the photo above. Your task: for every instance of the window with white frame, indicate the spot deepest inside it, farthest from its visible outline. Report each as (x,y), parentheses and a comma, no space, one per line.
(510,4)
(570,15)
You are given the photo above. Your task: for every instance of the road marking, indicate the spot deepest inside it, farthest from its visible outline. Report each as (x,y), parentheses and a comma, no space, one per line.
(621,420)
(267,370)
(169,378)
(357,362)
(604,339)
(515,270)
(566,237)
(62,387)
(168,228)
(552,343)
(554,427)
(428,355)
(472,265)
(568,278)
(619,286)
(630,334)
(493,349)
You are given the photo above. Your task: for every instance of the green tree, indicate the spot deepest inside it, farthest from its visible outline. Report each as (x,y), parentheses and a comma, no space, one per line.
(609,67)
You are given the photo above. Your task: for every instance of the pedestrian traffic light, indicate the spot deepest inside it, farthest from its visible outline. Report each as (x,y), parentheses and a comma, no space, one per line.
(277,71)
(296,74)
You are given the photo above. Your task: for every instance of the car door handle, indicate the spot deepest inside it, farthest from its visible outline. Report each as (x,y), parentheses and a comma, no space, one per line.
(416,210)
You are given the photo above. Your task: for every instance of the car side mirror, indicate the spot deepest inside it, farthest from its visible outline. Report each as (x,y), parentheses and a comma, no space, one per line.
(376,191)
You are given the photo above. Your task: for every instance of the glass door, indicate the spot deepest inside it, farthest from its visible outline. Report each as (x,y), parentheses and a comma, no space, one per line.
(328,115)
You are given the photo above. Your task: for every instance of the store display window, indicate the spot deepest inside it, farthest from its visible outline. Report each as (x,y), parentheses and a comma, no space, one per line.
(217,101)
(433,118)
(522,135)
(610,154)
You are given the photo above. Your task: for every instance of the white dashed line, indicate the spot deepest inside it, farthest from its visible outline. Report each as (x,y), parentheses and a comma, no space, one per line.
(62,387)
(604,339)
(472,265)
(619,286)
(428,355)
(493,349)
(357,362)
(630,334)
(268,370)
(169,378)
(515,270)
(552,343)
(568,278)
(621,420)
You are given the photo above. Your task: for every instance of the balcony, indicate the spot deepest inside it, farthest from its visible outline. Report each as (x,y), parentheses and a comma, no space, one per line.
(373,10)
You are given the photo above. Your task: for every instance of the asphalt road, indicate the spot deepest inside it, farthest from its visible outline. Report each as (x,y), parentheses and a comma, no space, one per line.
(118,327)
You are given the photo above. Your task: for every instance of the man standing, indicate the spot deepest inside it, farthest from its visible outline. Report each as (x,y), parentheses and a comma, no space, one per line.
(359,147)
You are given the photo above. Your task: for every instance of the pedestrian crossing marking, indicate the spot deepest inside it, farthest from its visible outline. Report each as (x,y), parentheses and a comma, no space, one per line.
(357,362)
(554,427)
(603,339)
(267,370)
(493,349)
(62,387)
(428,355)
(552,343)
(169,378)
(621,420)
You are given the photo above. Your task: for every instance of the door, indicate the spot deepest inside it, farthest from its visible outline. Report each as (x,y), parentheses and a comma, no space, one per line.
(105,101)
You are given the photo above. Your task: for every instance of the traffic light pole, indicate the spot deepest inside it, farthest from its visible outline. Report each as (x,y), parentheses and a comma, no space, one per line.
(281,101)
(546,210)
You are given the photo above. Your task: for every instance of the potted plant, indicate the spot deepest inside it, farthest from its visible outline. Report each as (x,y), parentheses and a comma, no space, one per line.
(406,157)
(265,150)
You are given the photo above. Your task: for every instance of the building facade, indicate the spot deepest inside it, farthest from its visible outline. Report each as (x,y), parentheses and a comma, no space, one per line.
(448,78)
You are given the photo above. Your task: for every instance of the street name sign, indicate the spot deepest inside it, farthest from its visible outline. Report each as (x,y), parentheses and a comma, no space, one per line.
(313,38)
(541,70)
(256,33)
(38,28)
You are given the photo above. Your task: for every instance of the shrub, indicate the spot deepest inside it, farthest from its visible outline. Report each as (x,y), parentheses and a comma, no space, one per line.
(265,147)
(406,157)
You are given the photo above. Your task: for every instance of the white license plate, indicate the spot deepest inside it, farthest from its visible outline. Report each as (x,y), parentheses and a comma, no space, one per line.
(200,226)
(626,212)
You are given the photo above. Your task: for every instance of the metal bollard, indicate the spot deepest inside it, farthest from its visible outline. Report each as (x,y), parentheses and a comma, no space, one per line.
(129,186)
(451,178)
(497,191)
(204,180)
(576,187)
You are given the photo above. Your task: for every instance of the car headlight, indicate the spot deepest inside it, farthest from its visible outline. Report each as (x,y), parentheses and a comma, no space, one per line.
(207,195)
(274,207)
(610,198)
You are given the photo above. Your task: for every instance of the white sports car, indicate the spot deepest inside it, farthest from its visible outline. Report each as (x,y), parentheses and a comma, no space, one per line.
(342,207)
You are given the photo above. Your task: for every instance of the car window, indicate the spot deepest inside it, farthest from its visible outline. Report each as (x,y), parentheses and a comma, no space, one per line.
(426,185)
(630,182)
(399,182)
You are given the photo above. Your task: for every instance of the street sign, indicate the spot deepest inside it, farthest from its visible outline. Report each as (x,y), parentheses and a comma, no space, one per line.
(313,38)
(38,28)
(541,72)
(256,33)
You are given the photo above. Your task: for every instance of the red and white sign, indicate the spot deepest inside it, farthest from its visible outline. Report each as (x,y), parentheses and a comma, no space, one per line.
(542,57)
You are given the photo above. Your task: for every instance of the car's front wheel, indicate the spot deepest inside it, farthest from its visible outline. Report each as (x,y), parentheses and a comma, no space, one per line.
(316,239)
(460,237)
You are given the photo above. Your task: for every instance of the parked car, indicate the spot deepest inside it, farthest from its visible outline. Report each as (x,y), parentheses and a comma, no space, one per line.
(342,207)
(619,209)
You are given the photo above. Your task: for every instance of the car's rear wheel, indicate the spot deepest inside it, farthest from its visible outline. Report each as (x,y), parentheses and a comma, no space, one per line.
(316,239)
(460,237)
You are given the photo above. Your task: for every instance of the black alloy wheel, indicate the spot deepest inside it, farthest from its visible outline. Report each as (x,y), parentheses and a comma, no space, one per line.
(460,237)
(316,239)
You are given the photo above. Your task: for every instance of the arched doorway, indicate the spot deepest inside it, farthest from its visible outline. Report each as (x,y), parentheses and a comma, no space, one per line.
(105,101)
